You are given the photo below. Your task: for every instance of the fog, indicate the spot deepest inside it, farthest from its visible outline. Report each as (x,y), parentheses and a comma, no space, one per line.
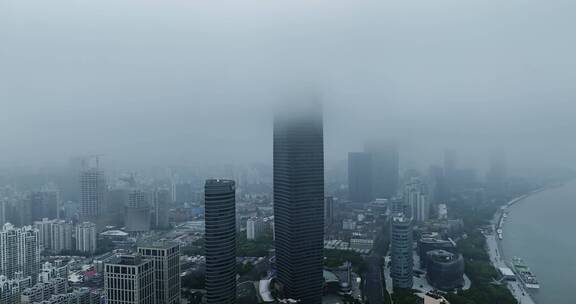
(171,82)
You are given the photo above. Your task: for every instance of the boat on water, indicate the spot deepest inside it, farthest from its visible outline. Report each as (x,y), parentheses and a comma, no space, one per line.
(525,274)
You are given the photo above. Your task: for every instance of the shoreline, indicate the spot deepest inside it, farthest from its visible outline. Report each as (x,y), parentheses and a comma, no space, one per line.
(495,248)
(495,251)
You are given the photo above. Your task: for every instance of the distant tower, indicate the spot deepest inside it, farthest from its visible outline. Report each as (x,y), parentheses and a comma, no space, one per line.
(86,237)
(416,200)
(130,280)
(385,167)
(328,211)
(401,252)
(220,239)
(299,203)
(166,257)
(137,212)
(92,193)
(61,236)
(360,177)
(162,202)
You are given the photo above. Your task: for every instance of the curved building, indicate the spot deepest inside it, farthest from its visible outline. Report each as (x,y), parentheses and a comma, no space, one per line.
(401,252)
(445,270)
(429,244)
(220,247)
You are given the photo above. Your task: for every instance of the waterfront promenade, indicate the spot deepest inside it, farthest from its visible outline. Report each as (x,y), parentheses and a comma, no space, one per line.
(494,250)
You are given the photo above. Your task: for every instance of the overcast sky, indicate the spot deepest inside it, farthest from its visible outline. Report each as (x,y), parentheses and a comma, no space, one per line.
(174,81)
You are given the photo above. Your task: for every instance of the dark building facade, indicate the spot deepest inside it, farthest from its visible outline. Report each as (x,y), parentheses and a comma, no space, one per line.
(445,270)
(428,244)
(385,167)
(220,238)
(360,177)
(299,203)
(166,257)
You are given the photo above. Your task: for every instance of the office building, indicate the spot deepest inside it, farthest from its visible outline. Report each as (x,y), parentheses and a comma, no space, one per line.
(44,204)
(299,203)
(360,177)
(86,237)
(329,216)
(220,241)
(254,228)
(162,202)
(385,167)
(130,279)
(92,195)
(116,202)
(138,212)
(166,257)
(401,252)
(445,270)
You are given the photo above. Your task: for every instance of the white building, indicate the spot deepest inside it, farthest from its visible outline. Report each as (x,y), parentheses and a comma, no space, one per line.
(442,212)
(349,224)
(86,237)
(19,252)
(61,236)
(254,228)
(416,200)
(44,233)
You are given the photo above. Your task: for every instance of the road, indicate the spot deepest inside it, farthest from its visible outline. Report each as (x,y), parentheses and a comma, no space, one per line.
(373,289)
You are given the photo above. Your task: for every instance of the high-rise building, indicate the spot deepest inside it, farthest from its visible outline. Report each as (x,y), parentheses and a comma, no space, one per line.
(130,279)
(385,168)
(138,212)
(220,241)
(92,195)
(299,203)
(416,200)
(44,204)
(116,202)
(496,175)
(360,177)
(166,257)
(61,236)
(19,252)
(401,252)
(44,228)
(329,211)
(162,202)
(86,237)
(254,228)
(2,212)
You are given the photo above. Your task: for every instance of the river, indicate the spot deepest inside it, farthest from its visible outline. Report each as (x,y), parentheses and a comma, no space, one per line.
(541,229)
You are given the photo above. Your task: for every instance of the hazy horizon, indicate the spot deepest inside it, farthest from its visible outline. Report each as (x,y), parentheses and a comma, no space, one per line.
(180,82)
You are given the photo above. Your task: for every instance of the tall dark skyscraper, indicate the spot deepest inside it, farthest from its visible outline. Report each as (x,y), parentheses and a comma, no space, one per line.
(385,167)
(220,247)
(299,203)
(360,177)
